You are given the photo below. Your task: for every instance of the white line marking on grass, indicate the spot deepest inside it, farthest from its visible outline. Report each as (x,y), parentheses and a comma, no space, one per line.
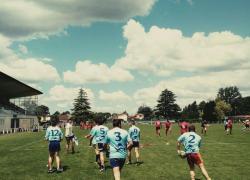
(25,145)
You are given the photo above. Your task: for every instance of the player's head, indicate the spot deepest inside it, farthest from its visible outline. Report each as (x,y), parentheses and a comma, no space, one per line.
(54,122)
(99,121)
(132,122)
(117,122)
(191,128)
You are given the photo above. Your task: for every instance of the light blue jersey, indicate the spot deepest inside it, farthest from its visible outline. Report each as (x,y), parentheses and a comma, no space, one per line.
(191,142)
(92,133)
(53,134)
(134,133)
(100,134)
(117,139)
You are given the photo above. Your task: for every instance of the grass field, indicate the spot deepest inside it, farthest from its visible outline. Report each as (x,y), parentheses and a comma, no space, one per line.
(24,156)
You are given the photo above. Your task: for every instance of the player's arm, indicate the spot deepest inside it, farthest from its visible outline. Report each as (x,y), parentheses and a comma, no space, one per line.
(130,143)
(89,136)
(46,135)
(178,147)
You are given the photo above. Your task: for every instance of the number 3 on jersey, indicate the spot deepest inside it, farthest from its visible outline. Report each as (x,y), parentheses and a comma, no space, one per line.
(118,136)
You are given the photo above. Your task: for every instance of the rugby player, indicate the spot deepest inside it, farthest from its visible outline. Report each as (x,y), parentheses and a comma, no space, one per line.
(229,126)
(191,142)
(204,127)
(167,127)
(246,123)
(54,135)
(118,141)
(134,133)
(69,137)
(100,135)
(184,126)
(158,127)
(92,141)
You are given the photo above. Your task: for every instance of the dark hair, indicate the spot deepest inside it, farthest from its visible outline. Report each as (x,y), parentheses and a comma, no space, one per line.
(54,122)
(99,121)
(132,122)
(191,128)
(117,123)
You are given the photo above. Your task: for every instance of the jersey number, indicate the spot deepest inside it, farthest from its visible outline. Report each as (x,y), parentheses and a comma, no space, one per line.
(118,136)
(55,132)
(192,139)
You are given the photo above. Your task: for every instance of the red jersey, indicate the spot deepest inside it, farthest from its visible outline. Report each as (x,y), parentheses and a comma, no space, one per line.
(229,123)
(167,124)
(184,127)
(158,124)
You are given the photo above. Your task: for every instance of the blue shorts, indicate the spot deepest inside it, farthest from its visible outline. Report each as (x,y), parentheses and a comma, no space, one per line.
(54,146)
(117,162)
(136,144)
(100,147)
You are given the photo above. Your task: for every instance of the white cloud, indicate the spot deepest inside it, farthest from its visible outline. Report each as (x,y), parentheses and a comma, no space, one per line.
(164,51)
(27,69)
(23,49)
(87,72)
(200,87)
(61,97)
(41,18)
(116,96)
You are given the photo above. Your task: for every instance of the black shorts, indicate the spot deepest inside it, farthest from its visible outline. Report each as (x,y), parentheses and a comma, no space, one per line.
(69,138)
(136,144)
(117,162)
(54,146)
(247,125)
(157,128)
(100,147)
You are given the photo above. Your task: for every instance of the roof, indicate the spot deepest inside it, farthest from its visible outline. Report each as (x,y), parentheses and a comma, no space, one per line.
(12,88)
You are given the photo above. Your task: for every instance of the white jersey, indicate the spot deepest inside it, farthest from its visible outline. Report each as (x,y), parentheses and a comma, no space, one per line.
(68,130)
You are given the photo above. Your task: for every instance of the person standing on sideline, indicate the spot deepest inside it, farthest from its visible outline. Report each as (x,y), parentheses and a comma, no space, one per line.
(118,141)
(70,144)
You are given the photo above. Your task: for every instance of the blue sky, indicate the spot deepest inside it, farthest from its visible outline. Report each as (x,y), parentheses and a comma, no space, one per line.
(125,54)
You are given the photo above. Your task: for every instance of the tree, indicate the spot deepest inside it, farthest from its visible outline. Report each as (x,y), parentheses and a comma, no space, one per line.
(42,110)
(209,112)
(244,105)
(201,107)
(221,108)
(191,111)
(146,111)
(232,96)
(81,110)
(166,106)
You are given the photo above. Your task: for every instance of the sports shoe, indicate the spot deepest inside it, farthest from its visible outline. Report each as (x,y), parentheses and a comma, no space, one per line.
(128,163)
(102,169)
(59,170)
(50,171)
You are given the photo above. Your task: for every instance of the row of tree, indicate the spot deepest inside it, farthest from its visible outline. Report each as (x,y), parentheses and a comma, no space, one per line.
(228,102)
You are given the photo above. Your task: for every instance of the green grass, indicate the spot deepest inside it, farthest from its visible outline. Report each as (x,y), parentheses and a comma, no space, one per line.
(24,156)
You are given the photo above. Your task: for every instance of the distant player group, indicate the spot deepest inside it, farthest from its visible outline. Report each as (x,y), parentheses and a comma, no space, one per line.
(118,143)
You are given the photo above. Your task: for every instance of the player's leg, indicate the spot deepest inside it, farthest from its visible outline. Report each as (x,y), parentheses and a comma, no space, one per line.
(67,144)
(202,129)
(137,155)
(116,172)
(192,173)
(129,155)
(231,128)
(97,155)
(50,161)
(205,130)
(72,145)
(204,171)
(58,162)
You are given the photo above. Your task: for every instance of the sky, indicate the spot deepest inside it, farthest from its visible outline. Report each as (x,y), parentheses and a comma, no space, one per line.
(124,53)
